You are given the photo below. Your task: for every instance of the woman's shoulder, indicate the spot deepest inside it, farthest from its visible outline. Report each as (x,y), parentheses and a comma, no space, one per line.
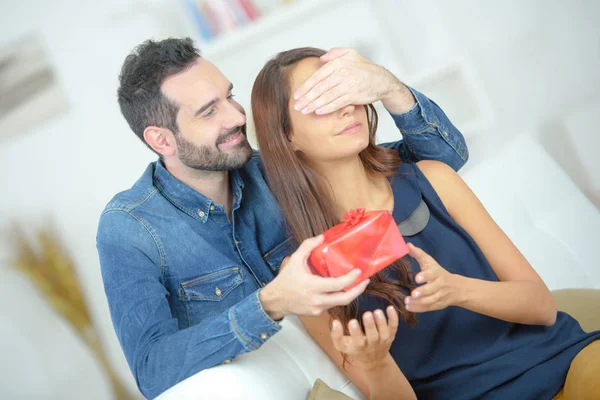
(433,168)
(439,174)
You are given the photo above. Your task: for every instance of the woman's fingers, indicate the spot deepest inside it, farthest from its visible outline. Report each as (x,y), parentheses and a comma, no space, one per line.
(426,301)
(356,333)
(428,275)
(382,326)
(371,329)
(337,336)
(425,290)
(393,321)
(424,259)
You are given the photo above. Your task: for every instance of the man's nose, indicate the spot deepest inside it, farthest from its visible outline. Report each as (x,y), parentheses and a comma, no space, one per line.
(236,116)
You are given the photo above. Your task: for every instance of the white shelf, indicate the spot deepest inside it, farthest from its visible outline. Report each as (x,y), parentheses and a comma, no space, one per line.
(268,24)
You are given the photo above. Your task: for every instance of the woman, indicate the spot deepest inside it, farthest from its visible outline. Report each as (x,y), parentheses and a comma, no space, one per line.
(487,324)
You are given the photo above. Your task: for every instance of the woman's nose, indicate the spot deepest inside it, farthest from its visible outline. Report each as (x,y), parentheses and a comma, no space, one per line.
(347,110)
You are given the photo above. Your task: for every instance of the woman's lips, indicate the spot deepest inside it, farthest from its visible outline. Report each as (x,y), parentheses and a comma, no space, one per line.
(351,128)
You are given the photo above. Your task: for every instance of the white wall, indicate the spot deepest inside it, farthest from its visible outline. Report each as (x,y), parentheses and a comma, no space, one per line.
(537,62)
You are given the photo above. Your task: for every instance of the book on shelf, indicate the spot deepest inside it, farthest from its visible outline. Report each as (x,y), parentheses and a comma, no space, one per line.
(215,17)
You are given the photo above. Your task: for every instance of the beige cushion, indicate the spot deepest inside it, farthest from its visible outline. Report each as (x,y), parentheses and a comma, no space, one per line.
(581,304)
(321,391)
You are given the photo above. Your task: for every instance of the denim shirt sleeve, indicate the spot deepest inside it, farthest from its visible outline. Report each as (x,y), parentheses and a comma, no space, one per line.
(159,353)
(428,134)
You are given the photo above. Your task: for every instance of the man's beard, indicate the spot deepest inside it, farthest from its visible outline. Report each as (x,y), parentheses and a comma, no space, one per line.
(208,158)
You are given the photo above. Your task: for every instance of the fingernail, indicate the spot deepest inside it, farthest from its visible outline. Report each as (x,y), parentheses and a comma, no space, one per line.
(354,323)
(417,294)
(305,110)
(319,111)
(297,106)
(369,317)
(296,95)
(409,308)
(407,300)
(357,272)
(379,314)
(333,327)
(419,279)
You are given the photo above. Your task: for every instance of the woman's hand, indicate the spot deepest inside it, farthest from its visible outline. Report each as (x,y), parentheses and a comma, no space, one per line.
(370,349)
(441,289)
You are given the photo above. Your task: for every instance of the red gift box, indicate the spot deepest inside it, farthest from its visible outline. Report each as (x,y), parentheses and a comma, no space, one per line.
(369,241)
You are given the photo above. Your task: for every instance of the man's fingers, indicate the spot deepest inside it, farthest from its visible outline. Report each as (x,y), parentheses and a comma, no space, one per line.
(330,285)
(344,298)
(284,263)
(335,105)
(325,97)
(302,93)
(334,53)
(307,246)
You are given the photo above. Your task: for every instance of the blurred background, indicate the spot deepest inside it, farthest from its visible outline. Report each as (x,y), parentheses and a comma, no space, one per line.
(503,71)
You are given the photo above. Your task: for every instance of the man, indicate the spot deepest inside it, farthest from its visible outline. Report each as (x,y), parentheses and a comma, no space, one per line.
(190,254)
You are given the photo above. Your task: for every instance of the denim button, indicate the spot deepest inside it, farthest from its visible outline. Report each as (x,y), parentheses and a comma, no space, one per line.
(264,336)
(227,361)
(201,213)
(212,208)
(218,292)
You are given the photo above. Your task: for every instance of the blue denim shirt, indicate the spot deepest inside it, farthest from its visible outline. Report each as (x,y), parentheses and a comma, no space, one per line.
(182,281)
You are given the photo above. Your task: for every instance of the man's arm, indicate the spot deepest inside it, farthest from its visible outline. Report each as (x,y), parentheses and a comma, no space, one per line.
(160,354)
(348,78)
(427,134)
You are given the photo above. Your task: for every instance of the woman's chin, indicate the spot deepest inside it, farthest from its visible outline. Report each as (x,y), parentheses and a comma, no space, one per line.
(342,153)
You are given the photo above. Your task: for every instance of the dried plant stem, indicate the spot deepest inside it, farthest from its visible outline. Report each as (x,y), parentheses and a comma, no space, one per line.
(53,273)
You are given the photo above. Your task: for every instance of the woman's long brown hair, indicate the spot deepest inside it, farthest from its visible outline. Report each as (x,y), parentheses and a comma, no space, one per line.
(301,191)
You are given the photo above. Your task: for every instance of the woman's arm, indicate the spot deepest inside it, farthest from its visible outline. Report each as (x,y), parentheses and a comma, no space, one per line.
(370,366)
(521,296)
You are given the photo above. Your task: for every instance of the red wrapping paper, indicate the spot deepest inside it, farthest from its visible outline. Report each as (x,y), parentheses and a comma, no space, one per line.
(369,241)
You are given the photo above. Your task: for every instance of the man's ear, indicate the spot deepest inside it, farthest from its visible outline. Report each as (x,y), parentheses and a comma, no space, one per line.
(161,140)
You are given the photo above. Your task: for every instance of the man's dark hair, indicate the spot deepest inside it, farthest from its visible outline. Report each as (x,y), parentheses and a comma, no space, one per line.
(144,70)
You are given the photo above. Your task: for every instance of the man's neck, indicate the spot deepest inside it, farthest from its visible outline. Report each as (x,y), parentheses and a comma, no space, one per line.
(212,184)
(353,187)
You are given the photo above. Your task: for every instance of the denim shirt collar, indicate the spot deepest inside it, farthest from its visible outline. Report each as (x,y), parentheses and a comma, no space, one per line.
(189,200)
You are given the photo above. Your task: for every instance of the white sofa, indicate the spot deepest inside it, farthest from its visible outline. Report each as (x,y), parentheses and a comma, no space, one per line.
(531,198)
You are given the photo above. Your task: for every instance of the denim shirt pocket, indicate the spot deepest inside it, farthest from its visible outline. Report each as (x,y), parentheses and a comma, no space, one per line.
(275,256)
(211,294)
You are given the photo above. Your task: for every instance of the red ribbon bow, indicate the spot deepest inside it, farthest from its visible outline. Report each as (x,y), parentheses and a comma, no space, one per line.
(354,217)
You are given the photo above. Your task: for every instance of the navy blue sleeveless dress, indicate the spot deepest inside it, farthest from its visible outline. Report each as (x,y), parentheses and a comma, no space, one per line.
(459,354)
